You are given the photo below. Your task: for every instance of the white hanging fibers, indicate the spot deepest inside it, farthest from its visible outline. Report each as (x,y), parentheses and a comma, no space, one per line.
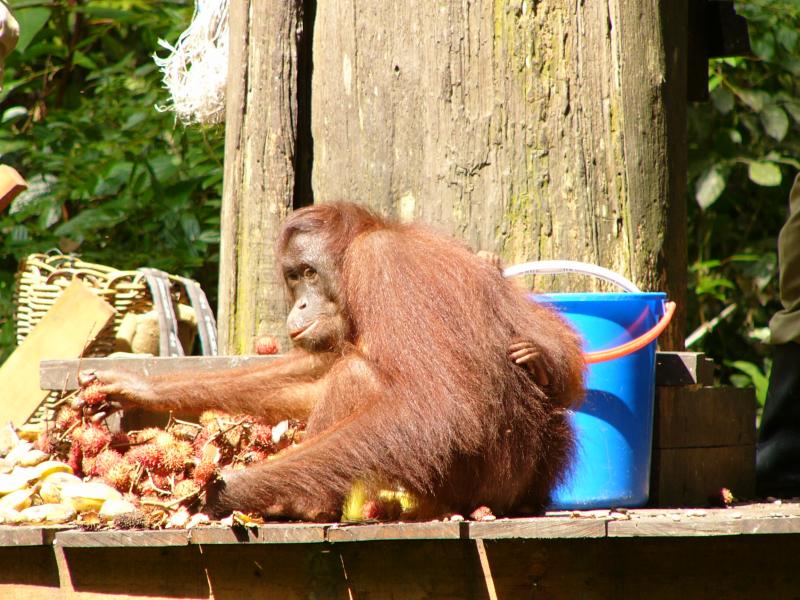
(195,72)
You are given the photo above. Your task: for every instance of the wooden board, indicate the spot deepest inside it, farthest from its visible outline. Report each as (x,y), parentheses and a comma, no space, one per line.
(65,331)
(704,417)
(122,538)
(672,368)
(438,530)
(704,527)
(540,528)
(689,476)
(684,368)
(62,374)
(292,533)
(11,535)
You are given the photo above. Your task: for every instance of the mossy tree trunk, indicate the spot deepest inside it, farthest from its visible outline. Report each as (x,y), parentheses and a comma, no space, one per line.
(537,130)
(260,149)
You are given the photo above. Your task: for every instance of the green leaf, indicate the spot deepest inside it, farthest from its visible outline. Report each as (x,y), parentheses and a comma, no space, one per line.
(722,99)
(757,377)
(79,58)
(164,167)
(117,176)
(752,98)
(767,174)
(775,121)
(14,113)
(31,21)
(709,187)
(787,37)
(793,108)
(764,46)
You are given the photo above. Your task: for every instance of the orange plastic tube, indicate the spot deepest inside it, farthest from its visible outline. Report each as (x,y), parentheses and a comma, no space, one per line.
(633,345)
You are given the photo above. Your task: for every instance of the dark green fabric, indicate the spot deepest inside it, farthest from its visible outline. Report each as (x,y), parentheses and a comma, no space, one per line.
(785,324)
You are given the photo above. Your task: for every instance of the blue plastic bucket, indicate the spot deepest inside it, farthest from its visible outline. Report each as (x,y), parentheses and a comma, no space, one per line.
(614,426)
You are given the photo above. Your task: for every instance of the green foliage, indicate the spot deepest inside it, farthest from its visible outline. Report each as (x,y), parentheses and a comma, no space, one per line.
(111,177)
(744,153)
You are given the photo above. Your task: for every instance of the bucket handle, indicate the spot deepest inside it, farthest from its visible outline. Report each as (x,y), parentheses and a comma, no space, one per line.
(555,267)
(551,267)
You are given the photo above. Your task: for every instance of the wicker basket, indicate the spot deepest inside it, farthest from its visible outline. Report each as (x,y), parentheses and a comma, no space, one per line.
(43,277)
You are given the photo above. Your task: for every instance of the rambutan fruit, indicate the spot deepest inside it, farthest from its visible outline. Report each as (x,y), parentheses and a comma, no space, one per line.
(92,438)
(148,455)
(261,435)
(185,488)
(120,475)
(210,419)
(184,431)
(131,520)
(205,472)
(88,464)
(46,442)
(105,460)
(481,513)
(176,454)
(91,394)
(267,344)
(75,459)
(67,417)
(145,435)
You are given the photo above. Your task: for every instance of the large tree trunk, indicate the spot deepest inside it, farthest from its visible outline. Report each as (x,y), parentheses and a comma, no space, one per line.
(533,129)
(546,129)
(260,143)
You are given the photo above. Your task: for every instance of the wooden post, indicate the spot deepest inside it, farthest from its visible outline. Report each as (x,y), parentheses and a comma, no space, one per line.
(537,130)
(260,143)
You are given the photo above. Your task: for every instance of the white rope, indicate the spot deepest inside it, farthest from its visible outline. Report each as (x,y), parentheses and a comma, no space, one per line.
(195,72)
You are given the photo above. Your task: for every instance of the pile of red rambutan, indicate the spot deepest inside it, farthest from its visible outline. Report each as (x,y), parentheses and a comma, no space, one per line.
(160,470)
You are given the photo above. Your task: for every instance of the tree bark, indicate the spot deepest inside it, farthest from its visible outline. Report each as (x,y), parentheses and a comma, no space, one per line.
(259,178)
(535,129)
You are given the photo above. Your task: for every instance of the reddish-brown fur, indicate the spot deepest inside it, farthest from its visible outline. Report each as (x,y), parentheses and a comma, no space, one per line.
(422,394)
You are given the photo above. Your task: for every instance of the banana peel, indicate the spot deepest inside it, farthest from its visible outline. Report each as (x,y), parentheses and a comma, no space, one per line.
(46,514)
(88,496)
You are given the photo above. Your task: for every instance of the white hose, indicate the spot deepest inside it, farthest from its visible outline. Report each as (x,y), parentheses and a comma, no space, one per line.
(555,267)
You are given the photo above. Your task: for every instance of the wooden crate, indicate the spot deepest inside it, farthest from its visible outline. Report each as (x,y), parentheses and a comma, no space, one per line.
(703,436)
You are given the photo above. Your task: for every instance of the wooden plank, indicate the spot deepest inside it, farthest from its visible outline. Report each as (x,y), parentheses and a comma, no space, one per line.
(704,417)
(672,368)
(62,374)
(294,533)
(434,530)
(690,476)
(735,567)
(16,535)
(538,527)
(28,573)
(683,368)
(65,331)
(133,572)
(122,538)
(729,525)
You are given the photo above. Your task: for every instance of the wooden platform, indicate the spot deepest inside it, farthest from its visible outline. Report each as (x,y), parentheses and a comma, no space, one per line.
(747,551)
